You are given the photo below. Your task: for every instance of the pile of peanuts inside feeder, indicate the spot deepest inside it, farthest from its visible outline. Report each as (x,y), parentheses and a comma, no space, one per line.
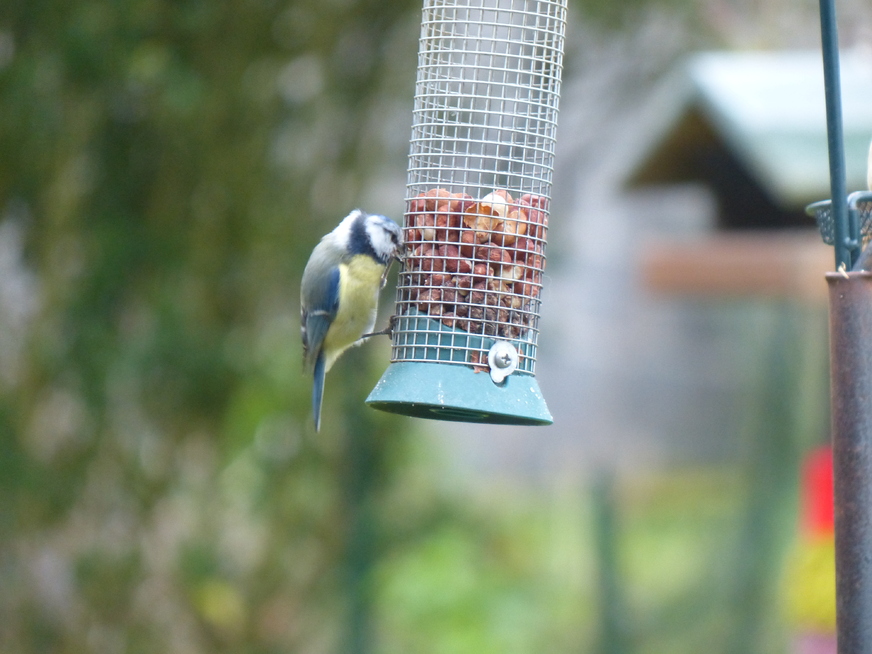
(476,265)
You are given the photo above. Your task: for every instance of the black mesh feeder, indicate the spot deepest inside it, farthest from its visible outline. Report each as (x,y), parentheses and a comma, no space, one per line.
(481,158)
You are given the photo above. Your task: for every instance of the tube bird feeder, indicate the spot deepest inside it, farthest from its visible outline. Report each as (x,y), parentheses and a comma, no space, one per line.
(466,326)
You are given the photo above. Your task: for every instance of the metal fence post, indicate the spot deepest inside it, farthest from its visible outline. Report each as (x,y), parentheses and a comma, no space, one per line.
(851,390)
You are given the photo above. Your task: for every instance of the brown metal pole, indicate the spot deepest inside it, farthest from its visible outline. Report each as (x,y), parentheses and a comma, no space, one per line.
(851,389)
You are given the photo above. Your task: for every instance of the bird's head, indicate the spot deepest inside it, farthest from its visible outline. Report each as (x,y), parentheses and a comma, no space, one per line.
(371,234)
(385,236)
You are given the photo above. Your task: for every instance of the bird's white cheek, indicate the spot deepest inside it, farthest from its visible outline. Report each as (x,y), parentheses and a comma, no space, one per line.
(381,241)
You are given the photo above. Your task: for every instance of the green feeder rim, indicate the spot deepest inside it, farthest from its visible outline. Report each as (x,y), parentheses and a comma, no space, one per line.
(442,391)
(438,381)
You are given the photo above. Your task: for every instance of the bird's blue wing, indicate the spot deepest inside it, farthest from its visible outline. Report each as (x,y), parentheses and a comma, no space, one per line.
(320,304)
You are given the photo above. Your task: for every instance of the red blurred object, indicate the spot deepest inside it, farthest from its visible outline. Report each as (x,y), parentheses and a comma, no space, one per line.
(817,492)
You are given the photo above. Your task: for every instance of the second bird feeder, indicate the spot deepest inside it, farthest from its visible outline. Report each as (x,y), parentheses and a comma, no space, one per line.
(478,194)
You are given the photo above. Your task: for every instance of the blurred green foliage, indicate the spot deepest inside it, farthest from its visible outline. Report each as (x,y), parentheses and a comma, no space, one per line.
(167,168)
(515,570)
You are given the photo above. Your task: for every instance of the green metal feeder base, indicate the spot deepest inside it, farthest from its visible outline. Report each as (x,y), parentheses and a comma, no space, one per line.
(441,391)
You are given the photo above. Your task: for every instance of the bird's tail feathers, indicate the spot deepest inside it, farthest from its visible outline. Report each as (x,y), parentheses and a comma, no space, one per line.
(318,389)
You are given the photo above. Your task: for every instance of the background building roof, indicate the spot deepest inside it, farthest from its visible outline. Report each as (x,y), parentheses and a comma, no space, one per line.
(766,112)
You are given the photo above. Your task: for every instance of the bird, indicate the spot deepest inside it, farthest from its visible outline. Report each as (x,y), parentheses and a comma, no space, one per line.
(869,169)
(864,260)
(339,291)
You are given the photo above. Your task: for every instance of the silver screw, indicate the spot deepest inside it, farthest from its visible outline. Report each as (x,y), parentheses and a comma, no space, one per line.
(503,360)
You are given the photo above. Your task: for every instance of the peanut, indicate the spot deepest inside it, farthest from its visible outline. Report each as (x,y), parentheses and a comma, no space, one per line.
(475,265)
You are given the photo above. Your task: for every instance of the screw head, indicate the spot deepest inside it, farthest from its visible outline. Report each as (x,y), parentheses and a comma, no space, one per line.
(503,360)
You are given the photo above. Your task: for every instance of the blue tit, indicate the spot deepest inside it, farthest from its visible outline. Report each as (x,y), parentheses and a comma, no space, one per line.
(869,169)
(339,291)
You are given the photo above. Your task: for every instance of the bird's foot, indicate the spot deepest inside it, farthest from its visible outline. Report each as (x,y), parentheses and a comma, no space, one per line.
(387,331)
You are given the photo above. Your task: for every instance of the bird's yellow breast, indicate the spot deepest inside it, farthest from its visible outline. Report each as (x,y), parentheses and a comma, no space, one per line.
(359,285)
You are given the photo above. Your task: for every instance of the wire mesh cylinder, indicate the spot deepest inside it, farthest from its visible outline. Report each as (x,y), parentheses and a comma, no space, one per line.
(479,181)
